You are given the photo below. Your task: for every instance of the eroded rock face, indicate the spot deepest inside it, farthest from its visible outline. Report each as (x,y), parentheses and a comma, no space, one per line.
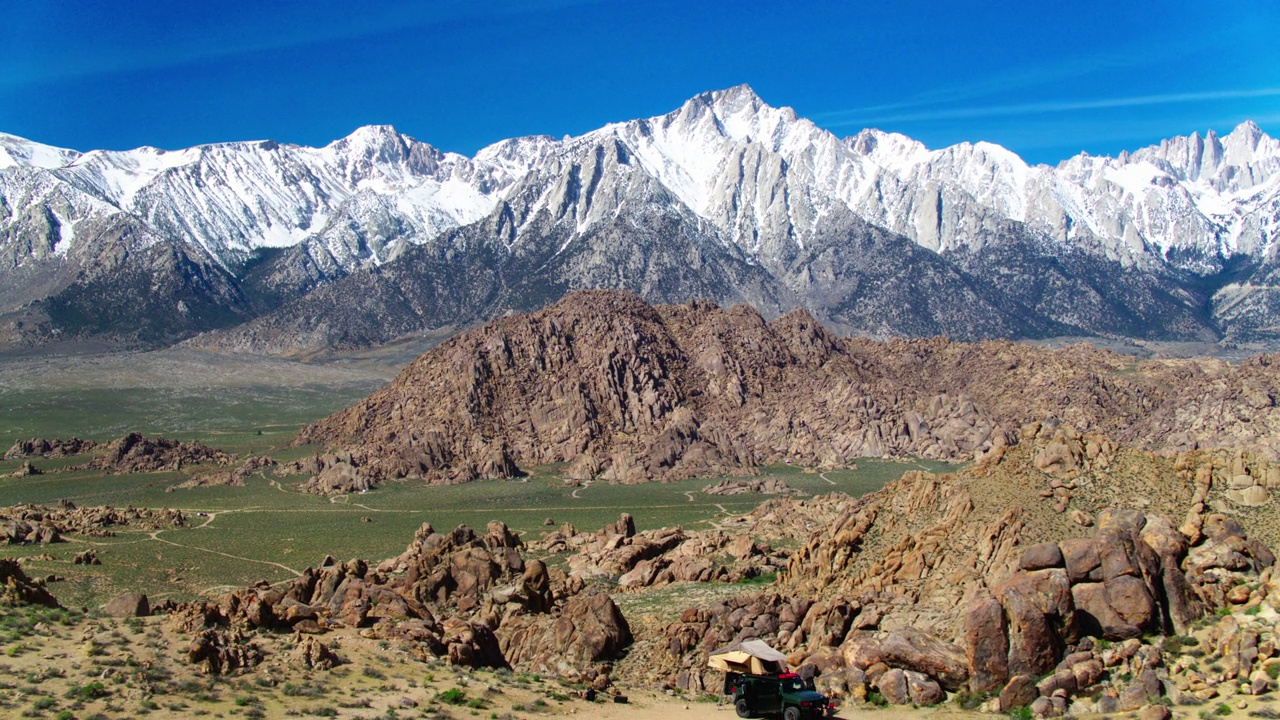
(18,589)
(590,630)
(625,392)
(26,524)
(468,597)
(312,654)
(223,652)
(130,604)
(987,644)
(49,447)
(1126,582)
(909,649)
(134,453)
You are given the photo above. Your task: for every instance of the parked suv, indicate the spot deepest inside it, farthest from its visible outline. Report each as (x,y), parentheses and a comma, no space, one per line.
(787,695)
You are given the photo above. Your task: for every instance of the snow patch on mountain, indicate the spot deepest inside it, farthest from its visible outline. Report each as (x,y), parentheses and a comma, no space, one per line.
(764,178)
(16,151)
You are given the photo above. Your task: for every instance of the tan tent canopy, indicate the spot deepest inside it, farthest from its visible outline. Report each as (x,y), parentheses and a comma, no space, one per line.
(748,656)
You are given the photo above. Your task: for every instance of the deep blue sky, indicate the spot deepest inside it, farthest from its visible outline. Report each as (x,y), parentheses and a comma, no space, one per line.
(1046,79)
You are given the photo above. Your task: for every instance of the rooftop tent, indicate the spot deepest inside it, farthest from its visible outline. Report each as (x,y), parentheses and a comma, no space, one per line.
(748,656)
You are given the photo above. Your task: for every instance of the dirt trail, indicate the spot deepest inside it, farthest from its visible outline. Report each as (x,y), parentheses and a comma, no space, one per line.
(155,535)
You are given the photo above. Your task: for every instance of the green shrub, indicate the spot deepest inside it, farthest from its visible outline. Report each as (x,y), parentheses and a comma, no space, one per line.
(92,691)
(452,696)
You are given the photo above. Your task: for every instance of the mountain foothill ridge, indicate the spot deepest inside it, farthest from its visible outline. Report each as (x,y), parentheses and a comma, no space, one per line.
(274,248)
(622,391)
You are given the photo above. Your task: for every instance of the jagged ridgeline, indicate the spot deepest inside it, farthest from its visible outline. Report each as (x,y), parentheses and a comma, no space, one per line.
(626,392)
(277,248)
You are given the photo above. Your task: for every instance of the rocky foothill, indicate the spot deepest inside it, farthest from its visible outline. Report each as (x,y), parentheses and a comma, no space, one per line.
(331,474)
(470,598)
(49,448)
(621,391)
(132,453)
(661,557)
(18,589)
(39,524)
(981,587)
(227,478)
(1065,573)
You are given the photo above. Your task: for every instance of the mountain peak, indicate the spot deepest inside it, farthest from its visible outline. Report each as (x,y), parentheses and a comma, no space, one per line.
(366,135)
(1247,132)
(737,95)
(16,150)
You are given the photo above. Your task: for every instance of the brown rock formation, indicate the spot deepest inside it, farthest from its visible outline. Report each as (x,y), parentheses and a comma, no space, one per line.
(223,652)
(233,478)
(130,604)
(49,448)
(980,561)
(135,453)
(765,486)
(23,524)
(18,589)
(627,392)
(464,596)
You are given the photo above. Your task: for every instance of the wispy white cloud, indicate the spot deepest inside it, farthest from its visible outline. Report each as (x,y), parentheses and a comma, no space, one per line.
(215,35)
(873,115)
(1008,82)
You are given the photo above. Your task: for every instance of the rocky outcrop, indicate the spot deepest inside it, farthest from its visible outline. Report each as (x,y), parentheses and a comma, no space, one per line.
(467,597)
(49,448)
(130,604)
(1030,603)
(26,469)
(312,654)
(331,474)
(908,649)
(660,557)
(17,531)
(765,486)
(1136,577)
(18,589)
(625,392)
(223,652)
(25,524)
(134,453)
(589,633)
(233,478)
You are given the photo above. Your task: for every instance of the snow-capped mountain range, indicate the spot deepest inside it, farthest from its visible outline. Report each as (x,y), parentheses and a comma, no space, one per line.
(252,228)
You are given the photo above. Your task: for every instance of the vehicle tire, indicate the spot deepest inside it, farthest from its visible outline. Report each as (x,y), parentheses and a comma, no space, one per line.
(743,708)
(791,713)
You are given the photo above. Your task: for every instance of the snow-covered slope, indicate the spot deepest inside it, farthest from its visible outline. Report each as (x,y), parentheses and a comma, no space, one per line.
(234,198)
(764,176)
(772,187)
